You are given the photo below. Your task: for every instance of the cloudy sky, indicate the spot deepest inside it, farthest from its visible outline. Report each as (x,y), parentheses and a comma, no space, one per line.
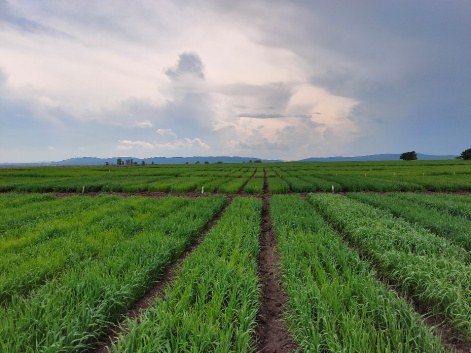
(267,79)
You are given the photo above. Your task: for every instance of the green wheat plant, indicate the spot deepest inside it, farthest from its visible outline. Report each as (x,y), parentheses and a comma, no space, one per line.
(335,303)
(430,269)
(70,312)
(214,300)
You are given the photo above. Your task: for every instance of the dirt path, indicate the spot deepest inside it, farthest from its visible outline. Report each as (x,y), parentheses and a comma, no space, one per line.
(241,190)
(193,194)
(166,279)
(271,332)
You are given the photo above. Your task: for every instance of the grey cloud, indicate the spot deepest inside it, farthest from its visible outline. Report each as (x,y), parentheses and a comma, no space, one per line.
(188,64)
(272,116)
(260,116)
(264,145)
(295,139)
(3,77)
(28,26)
(272,96)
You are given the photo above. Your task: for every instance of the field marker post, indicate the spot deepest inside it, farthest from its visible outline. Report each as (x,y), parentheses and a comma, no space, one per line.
(202,189)
(83,189)
(333,189)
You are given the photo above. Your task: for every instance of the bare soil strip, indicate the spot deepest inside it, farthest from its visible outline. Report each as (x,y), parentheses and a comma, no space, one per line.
(160,194)
(449,336)
(166,279)
(271,332)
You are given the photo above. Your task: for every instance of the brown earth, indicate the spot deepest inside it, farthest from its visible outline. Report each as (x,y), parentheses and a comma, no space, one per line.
(241,190)
(160,194)
(271,332)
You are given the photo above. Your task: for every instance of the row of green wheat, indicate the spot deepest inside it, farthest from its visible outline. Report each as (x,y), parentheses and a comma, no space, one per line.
(214,300)
(110,266)
(131,184)
(83,261)
(335,302)
(430,269)
(445,216)
(49,246)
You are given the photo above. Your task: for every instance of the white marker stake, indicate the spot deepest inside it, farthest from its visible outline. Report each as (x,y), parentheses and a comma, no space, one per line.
(202,189)
(333,189)
(83,189)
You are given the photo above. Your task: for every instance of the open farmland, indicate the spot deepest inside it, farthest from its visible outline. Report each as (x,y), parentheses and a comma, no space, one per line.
(435,176)
(236,258)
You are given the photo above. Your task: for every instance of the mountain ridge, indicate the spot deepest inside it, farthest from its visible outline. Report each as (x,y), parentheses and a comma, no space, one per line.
(96,161)
(376,157)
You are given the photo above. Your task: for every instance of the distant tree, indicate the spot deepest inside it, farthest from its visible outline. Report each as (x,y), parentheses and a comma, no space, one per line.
(107,163)
(466,154)
(143,163)
(186,162)
(258,161)
(197,162)
(409,156)
(218,162)
(134,163)
(250,161)
(152,162)
(119,161)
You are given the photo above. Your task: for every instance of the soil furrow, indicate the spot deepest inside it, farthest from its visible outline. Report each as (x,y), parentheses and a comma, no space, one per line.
(271,332)
(241,190)
(193,194)
(166,279)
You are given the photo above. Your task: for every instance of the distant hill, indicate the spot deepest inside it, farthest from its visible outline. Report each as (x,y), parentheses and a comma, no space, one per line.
(83,161)
(376,157)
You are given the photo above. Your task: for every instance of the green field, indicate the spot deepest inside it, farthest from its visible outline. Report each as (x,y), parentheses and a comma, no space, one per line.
(361,268)
(437,176)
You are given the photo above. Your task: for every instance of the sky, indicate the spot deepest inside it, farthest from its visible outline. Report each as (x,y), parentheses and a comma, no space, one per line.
(267,79)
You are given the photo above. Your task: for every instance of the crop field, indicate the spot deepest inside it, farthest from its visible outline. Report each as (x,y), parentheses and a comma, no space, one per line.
(400,176)
(285,257)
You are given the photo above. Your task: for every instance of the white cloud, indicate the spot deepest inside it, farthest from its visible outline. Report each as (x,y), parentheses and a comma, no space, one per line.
(183,144)
(128,144)
(172,144)
(144,124)
(166,133)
